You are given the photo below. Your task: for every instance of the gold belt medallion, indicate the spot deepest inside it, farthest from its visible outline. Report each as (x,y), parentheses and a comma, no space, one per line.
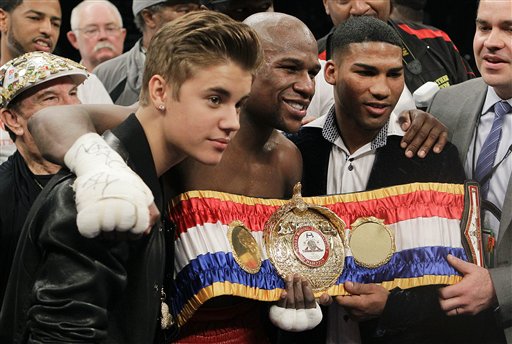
(308,240)
(371,242)
(246,251)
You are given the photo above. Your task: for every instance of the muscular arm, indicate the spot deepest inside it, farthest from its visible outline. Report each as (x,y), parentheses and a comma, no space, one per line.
(56,128)
(66,135)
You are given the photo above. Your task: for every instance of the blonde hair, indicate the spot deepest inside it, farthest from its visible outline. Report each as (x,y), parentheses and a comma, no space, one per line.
(195,41)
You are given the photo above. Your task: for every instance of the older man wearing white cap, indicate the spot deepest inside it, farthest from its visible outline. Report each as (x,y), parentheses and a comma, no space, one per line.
(28,83)
(122,76)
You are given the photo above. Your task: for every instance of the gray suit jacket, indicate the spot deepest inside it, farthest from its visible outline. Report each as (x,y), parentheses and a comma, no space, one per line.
(459,108)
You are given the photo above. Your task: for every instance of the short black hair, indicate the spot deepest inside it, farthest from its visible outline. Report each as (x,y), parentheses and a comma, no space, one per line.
(362,29)
(9,5)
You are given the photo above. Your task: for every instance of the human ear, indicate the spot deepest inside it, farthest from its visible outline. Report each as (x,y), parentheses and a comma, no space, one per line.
(158,90)
(12,121)
(326,7)
(123,33)
(72,39)
(4,20)
(330,72)
(149,21)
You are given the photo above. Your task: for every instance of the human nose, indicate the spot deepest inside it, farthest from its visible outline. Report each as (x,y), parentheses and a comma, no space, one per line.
(231,120)
(359,8)
(102,33)
(494,40)
(306,85)
(46,27)
(380,88)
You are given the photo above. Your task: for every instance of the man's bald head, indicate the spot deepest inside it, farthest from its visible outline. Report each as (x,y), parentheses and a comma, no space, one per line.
(279,29)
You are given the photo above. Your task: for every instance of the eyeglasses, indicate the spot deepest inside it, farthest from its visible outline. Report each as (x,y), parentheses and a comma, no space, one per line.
(94,31)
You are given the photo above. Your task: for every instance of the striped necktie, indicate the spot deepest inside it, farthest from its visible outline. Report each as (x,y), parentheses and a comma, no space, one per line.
(487,155)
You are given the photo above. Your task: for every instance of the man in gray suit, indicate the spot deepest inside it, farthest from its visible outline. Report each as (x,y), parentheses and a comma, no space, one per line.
(469,111)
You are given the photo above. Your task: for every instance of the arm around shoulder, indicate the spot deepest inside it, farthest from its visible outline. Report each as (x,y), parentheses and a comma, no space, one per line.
(56,128)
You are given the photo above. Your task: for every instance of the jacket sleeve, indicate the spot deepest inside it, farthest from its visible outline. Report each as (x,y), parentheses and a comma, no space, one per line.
(449,166)
(502,280)
(407,307)
(77,280)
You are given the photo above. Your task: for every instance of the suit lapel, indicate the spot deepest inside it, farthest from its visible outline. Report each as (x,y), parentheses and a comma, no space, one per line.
(469,113)
(506,215)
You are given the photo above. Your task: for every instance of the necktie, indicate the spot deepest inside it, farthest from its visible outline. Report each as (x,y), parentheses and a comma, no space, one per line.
(487,155)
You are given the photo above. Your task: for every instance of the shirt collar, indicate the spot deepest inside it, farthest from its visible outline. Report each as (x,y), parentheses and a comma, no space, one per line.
(490,99)
(331,133)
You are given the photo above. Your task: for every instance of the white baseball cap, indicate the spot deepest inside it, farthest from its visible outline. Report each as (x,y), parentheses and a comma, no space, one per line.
(34,68)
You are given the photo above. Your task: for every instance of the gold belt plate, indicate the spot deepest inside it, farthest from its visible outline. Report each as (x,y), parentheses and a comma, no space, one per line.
(308,240)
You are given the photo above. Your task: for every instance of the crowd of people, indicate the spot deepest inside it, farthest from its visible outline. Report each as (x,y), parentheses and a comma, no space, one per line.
(232,97)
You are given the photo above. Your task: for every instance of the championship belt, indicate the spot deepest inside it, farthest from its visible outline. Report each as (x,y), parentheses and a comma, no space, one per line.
(230,244)
(472,224)
(306,239)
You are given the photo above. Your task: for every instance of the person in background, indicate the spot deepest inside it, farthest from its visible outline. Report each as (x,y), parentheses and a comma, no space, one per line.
(479,115)
(96,32)
(31,25)
(69,286)
(28,83)
(239,9)
(428,53)
(122,75)
(408,10)
(25,26)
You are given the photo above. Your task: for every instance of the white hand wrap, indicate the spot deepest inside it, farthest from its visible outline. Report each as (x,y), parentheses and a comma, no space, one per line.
(295,320)
(109,195)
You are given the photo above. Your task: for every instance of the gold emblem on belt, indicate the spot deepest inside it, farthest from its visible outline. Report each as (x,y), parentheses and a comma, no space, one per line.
(308,240)
(371,242)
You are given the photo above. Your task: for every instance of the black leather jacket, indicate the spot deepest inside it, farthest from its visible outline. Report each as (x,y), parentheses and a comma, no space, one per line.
(67,288)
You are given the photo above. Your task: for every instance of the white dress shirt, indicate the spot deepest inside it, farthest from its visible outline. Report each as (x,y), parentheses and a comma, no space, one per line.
(349,173)
(500,178)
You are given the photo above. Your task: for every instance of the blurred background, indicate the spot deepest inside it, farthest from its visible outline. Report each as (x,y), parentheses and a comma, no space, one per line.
(455,17)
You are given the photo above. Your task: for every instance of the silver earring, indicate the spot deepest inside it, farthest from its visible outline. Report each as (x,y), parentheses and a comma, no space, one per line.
(161,107)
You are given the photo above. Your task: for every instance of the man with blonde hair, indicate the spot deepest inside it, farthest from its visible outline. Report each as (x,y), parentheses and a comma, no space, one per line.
(68,286)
